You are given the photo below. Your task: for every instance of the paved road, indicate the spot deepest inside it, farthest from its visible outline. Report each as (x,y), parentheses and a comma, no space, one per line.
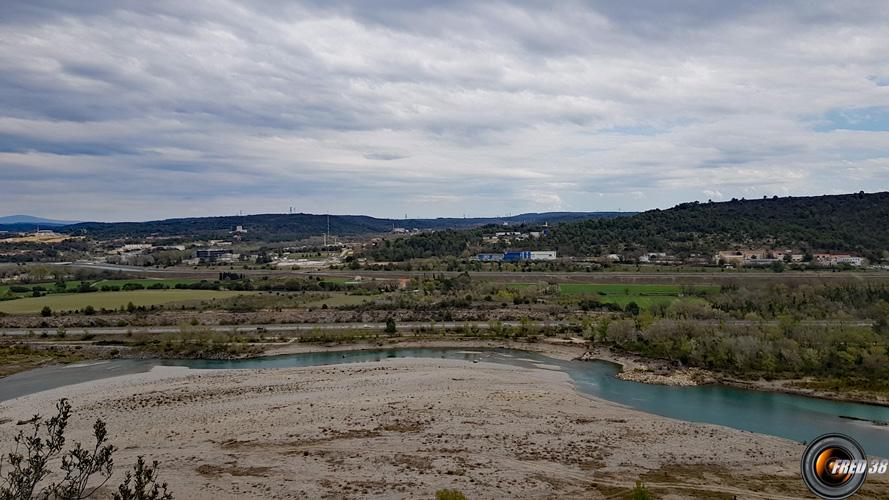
(290,327)
(409,325)
(599,276)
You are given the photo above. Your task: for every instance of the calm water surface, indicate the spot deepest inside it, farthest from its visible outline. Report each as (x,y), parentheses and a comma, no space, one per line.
(794,417)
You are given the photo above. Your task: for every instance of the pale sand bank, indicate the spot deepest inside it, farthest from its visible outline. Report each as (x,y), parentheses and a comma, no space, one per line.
(404,428)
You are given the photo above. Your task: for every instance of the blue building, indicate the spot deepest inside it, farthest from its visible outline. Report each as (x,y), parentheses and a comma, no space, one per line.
(520,256)
(517,256)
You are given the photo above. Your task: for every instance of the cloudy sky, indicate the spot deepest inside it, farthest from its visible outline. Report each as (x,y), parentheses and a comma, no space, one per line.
(135,110)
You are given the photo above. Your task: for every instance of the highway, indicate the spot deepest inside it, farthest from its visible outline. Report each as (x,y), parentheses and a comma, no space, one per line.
(277,327)
(407,326)
(678,277)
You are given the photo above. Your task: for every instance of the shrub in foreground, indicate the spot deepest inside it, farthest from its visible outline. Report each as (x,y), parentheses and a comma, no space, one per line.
(447,494)
(640,492)
(83,471)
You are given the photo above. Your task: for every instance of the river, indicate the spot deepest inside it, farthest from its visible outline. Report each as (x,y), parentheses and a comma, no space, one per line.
(789,416)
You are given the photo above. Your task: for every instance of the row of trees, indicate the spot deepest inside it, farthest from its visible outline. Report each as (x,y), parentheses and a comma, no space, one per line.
(808,301)
(786,350)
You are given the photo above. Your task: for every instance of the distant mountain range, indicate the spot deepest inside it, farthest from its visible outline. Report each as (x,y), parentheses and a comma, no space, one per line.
(30,219)
(282,227)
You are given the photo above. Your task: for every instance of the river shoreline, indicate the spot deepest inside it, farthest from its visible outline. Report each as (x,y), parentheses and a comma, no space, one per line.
(405,428)
(634,368)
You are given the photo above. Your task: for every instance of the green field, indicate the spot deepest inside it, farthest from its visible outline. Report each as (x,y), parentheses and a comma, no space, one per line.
(110,300)
(632,290)
(644,296)
(622,294)
(340,299)
(618,289)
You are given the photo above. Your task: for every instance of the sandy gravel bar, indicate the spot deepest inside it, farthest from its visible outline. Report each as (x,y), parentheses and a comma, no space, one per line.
(404,428)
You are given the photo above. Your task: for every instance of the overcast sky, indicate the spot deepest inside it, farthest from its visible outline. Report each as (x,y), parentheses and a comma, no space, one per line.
(136,110)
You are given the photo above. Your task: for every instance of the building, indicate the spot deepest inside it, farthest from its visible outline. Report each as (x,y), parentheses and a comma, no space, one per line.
(132,247)
(850,260)
(519,256)
(213,254)
(652,257)
(761,262)
(45,234)
(837,259)
(751,257)
(543,255)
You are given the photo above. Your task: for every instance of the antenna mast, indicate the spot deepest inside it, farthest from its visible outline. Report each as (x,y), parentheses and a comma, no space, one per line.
(327,235)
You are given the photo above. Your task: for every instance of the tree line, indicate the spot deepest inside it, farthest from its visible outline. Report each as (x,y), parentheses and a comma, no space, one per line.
(856,223)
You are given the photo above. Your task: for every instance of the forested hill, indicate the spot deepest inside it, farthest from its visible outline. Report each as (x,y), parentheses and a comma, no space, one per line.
(282,227)
(855,223)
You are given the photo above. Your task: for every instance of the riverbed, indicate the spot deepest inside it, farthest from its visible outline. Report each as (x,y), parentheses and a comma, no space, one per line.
(789,416)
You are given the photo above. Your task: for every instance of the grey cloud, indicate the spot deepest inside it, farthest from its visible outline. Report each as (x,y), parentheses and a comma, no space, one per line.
(433,106)
(385,156)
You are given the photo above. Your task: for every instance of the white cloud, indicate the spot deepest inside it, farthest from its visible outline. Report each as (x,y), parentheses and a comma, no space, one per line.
(164,108)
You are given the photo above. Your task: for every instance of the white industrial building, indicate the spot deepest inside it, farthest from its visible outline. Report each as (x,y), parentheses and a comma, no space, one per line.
(543,255)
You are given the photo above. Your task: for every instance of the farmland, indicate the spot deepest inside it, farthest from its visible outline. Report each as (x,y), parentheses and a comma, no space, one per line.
(339,299)
(644,295)
(110,300)
(634,290)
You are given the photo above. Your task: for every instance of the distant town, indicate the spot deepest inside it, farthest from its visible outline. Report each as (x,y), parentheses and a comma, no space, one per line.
(330,251)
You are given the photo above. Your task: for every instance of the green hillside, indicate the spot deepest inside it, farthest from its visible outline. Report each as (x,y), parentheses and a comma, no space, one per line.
(856,223)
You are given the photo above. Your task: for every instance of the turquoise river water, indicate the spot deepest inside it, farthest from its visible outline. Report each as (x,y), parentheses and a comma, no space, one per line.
(794,417)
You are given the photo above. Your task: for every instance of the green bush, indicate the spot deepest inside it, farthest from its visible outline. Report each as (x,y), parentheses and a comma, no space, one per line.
(447,494)
(640,492)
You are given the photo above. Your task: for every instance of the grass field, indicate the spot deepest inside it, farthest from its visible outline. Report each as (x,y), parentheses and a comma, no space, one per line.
(340,299)
(632,290)
(622,294)
(644,296)
(109,300)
